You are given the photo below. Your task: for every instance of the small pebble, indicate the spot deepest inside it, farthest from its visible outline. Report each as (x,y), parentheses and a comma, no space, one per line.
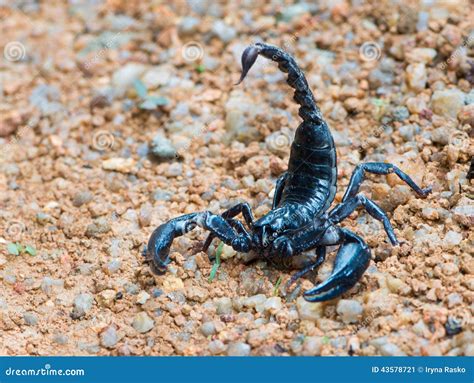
(386,348)
(106,298)
(131,288)
(174,170)
(82,304)
(98,227)
(223,306)
(30,318)
(238,349)
(447,102)
(190,263)
(118,164)
(400,113)
(142,322)
(417,76)
(60,339)
(223,31)
(273,305)
(407,132)
(113,266)
(145,215)
(162,148)
(312,346)
(255,301)
(464,214)
(109,337)
(49,284)
(440,136)
(228,252)
(142,297)
(208,328)
(81,198)
(453,326)
(454,299)
(216,347)
(349,310)
(452,239)
(309,310)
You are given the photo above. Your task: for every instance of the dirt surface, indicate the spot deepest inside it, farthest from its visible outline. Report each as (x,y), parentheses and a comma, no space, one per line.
(116,117)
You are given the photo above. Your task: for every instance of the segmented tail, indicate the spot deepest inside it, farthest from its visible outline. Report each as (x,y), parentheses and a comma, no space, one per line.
(312,172)
(308,111)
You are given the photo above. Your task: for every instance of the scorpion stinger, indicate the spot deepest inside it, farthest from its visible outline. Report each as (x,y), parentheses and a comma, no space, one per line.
(249,56)
(299,219)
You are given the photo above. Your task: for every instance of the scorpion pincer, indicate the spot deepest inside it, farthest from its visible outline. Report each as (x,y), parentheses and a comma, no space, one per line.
(299,220)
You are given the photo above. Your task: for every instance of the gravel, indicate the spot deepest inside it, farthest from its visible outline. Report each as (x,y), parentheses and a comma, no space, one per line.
(142,322)
(349,310)
(273,305)
(142,297)
(312,346)
(84,183)
(31,319)
(109,337)
(447,102)
(98,227)
(223,31)
(162,148)
(208,329)
(386,348)
(82,305)
(308,310)
(238,349)
(81,198)
(224,306)
(216,347)
(60,339)
(440,136)
(123,78)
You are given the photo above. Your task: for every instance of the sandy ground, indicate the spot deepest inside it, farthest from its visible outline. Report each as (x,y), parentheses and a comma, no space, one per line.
(116,117)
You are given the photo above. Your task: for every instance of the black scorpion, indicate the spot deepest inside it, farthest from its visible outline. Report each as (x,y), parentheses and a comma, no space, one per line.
(299,220)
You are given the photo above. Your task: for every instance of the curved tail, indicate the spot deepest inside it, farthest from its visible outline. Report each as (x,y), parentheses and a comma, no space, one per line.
(308,111)
(312,172)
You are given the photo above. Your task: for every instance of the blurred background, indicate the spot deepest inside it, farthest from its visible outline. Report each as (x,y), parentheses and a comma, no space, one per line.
(118,115)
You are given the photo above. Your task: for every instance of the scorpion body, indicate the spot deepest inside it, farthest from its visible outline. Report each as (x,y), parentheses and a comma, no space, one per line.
(299,220)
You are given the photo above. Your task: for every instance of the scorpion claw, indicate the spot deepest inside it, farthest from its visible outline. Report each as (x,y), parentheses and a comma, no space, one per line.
(158,248)
(249,56)
(352,260)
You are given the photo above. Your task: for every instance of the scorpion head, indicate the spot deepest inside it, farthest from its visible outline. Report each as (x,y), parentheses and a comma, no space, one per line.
(269,227)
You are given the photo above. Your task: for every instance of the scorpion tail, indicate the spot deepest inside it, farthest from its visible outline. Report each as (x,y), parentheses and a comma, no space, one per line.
(296,79)
(352,260)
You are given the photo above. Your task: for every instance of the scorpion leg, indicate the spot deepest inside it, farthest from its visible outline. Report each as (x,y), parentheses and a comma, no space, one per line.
(239,228)
(379,168)
(162,237)
(352,259)
(343,210)
(243,208)
(320,257)
(280,184)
